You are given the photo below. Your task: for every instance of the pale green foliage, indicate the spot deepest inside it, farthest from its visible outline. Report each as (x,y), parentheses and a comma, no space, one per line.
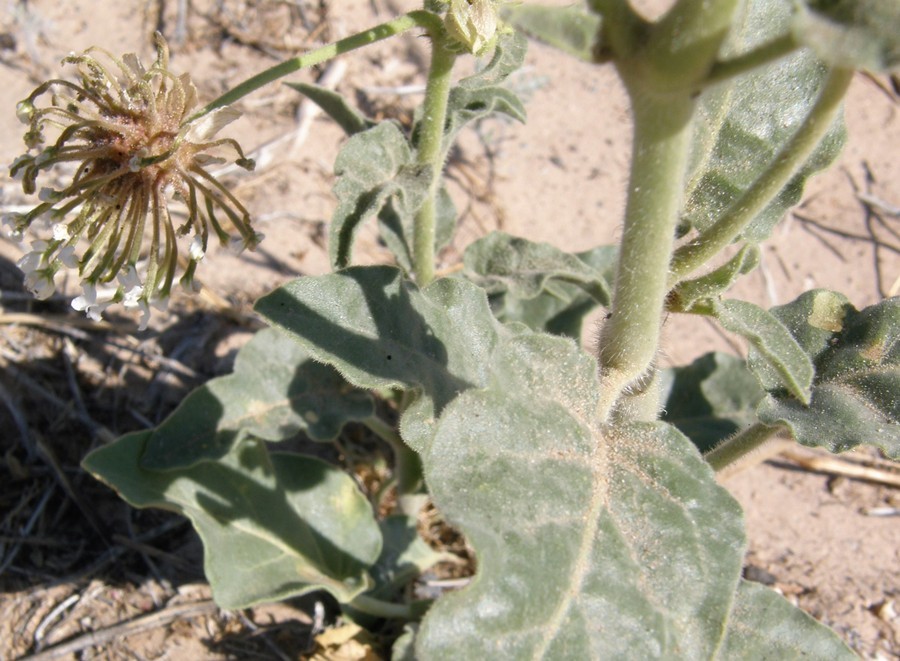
(599,530)
(856,390)
(273,525)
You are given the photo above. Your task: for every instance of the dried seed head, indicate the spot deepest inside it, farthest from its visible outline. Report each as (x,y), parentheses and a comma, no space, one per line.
(129,132)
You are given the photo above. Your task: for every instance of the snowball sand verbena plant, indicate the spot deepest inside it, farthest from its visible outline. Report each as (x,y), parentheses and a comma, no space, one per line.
(584,483)
(128,134)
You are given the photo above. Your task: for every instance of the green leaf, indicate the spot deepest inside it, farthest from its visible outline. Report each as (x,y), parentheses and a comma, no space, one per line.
(538,285)
(856,34)
(711,398)
(273,526)
(335,106)
(715,283)
(380,331)
(776,358)
(397,229)
(742,125)
(591,542)
(373,167)
(500,262)
(559,313)
(275,392)
(763,625)
(481,94)
(572,30)
(855,397)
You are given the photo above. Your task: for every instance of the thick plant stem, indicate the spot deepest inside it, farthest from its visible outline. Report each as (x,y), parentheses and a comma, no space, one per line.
(699,251)
(407,464)
(413,19)
(732,450)
(630,337)
(431,154)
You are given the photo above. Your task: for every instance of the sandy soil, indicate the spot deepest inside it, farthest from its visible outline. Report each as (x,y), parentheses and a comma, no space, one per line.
(829,543)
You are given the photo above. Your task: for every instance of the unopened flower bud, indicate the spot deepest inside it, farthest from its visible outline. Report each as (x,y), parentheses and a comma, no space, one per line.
(25,111)
(472,24)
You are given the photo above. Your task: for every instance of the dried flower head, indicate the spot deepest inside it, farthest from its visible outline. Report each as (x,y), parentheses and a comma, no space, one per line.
(128,133)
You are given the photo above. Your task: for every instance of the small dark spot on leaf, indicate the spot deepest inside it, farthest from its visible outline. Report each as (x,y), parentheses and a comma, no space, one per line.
(389,357)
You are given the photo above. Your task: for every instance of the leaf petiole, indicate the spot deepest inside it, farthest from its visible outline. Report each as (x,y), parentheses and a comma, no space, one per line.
(420,18)
(743,443)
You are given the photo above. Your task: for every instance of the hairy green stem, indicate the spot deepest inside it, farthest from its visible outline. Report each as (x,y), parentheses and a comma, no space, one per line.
(430,153)
(740,445)
(708,244)
(407,464)
(630,337)
(413,19)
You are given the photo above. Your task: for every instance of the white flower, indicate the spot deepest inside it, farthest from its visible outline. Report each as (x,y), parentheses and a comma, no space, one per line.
(205,128)
(35,259)
(131,285)
(12,225)
(49,195)
(61,232)
(68,257)
(41,284)
(89,303)
(196,250)
(145,314)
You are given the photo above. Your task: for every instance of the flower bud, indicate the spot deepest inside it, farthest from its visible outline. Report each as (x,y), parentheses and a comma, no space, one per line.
(25,111)
(472,24)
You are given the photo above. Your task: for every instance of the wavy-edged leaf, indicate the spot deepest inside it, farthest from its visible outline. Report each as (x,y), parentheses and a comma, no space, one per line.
(856,34)
(374,166)
(273,525)
(715,283)
(711,398)
(775,356)
(763,625)
(591,543)
(335,106)
(573,29)
(856,391)
(524,269)
(742,125)
(481,94)
(275,392)
(544,288)
(380,331)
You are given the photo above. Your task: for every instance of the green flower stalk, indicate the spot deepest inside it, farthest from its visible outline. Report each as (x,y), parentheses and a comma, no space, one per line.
(127,133)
